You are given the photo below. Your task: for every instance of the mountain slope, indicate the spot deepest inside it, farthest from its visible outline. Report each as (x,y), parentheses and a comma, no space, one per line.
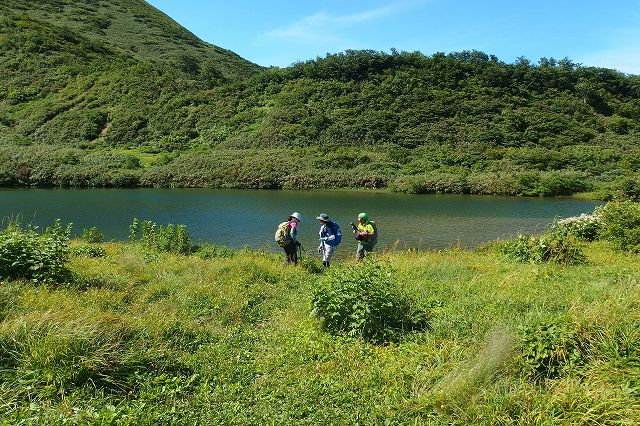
(135,28)
(116,93)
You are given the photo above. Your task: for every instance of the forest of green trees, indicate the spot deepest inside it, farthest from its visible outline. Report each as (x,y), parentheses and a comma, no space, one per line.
(84,104)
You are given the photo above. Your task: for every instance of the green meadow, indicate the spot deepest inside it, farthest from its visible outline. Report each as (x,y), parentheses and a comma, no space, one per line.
(136,333)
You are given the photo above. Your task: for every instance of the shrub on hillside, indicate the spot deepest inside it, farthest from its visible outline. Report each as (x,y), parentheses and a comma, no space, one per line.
(491,183)
(621,224)
(432,183)
(628,188)
(562,183)
(363,302)
(26,254)
(551,184)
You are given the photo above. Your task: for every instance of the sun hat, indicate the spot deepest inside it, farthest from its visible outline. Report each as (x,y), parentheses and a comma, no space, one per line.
(296,215)
(323,217)
(363,216)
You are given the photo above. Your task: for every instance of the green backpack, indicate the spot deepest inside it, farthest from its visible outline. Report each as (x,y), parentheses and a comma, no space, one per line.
(283,234)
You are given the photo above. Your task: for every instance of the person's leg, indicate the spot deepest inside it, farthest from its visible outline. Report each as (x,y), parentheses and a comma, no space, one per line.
(327,254)
(368,248)
(360,252)
(291,254)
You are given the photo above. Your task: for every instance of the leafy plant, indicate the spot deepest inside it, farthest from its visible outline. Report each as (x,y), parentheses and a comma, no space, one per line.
(555,246)
(549,347)
(363,302)
(621,224)
(24,253)
(169,238)
(584,227)
(133,229)
(92,235)
(88,251)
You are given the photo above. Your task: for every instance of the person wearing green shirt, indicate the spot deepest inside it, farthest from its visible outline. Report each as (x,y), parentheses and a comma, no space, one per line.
(367,235)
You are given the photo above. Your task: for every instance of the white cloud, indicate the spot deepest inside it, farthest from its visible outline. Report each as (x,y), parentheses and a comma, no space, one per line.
(323,27)
(310,29)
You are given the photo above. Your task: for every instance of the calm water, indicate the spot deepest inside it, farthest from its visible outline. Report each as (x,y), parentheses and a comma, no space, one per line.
(237,218)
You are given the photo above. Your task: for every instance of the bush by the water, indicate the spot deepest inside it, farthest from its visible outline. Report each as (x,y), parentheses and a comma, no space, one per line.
(92,235)
(27,254)
(170,238)
(584,227)
(558,246)
(363,302)
(621,224)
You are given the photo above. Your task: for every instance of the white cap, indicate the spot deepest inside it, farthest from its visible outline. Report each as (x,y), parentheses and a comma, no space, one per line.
(296,215)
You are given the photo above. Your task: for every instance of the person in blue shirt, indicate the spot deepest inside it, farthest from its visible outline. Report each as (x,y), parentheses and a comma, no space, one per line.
(327,239)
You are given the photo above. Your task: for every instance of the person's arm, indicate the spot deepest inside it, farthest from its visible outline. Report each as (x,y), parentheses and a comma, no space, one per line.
(366,231)
(329,234)
(326,234)
(362,232)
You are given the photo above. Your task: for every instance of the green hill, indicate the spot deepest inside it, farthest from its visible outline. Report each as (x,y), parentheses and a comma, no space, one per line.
(134,28)
(118,94)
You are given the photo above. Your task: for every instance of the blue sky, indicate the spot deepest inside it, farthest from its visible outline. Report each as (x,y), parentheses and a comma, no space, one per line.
(593,33)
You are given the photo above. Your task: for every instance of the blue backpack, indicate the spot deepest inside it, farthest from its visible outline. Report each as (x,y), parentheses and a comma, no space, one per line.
(337,232)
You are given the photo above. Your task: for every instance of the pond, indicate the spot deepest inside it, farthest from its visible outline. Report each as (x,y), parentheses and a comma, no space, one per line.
(238,218)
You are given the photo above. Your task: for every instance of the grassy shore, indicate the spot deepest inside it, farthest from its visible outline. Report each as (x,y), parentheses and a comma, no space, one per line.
(141,337)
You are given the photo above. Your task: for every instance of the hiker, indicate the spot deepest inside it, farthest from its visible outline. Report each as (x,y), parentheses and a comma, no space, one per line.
(287,237)
(367,235)
(330,237)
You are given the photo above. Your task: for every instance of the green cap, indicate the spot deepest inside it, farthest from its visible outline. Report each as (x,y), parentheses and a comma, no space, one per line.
(363,216)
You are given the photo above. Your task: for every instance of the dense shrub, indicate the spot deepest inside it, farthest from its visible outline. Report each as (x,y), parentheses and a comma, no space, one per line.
(554,246)
(92,235)
(363,302)
(564,182)
(492,183)
(550,347)
(433,183)
(629,188)
(26,254)
(584,227)
(621,224)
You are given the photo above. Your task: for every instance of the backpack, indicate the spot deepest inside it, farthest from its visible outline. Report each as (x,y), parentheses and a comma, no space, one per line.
(337,232)
(375,232)
(283,235)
